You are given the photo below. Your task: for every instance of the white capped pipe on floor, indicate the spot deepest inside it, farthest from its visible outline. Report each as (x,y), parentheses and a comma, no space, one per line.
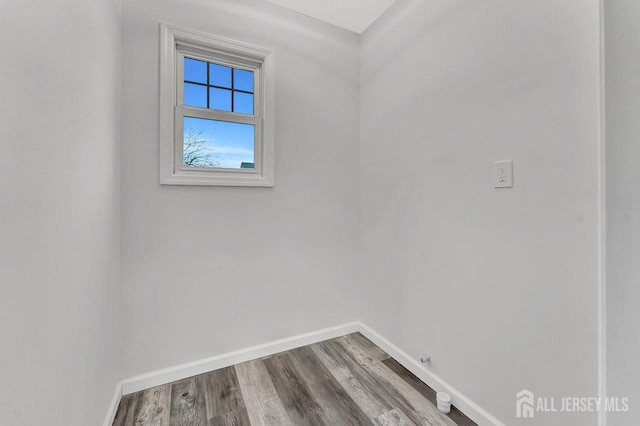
(444,401)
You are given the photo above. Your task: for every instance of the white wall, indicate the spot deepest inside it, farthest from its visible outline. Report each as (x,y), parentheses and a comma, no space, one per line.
(622,60)
(207,270)
(59,211)
(499,286)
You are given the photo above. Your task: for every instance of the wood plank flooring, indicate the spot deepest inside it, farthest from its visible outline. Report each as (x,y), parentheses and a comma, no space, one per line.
(344,381)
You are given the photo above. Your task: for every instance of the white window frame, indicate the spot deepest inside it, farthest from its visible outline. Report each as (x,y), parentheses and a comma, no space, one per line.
(175,43)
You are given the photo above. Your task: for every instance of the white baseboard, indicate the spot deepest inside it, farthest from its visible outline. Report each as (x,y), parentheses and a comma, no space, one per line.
(113,407)
(168,375)
(179,372)
(464,404)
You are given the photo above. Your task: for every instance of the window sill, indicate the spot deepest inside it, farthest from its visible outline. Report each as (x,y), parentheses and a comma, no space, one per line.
(217,179)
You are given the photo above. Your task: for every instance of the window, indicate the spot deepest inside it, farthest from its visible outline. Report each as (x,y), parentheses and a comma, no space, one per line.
(216,123)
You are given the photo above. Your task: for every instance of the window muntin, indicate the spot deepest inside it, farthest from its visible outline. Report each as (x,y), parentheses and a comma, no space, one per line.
(216,86)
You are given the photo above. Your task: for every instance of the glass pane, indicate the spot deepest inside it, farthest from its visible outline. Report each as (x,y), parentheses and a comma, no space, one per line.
(219,75)
(214,144)
(242,103)
(220,99)
(243,80)
(195,95)
(195,70)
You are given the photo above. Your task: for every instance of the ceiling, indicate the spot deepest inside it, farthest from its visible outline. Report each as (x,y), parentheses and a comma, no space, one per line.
(354,15)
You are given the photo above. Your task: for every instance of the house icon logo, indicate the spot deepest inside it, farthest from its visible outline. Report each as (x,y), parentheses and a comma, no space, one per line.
(524,404)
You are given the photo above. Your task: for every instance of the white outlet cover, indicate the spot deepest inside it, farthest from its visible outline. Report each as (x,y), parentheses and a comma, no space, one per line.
(503,174)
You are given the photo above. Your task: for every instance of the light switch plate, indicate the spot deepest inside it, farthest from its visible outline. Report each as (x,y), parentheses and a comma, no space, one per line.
(503,174)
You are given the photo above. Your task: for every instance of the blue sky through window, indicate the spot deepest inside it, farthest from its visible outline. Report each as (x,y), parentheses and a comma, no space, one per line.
(220,75)
(195,95)
(195,70)
(243,80)
(221,143)
(220,99)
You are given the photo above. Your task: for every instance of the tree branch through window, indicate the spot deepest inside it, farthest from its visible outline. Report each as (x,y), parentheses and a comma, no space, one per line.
(197,151)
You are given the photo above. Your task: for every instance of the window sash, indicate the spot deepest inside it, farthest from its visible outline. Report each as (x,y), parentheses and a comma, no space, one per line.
(244,65)
(183,111)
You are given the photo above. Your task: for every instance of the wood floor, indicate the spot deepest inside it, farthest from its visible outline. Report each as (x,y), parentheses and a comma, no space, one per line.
(343,381)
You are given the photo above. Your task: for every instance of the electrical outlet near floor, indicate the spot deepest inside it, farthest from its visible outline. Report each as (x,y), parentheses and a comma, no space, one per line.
(503,174)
